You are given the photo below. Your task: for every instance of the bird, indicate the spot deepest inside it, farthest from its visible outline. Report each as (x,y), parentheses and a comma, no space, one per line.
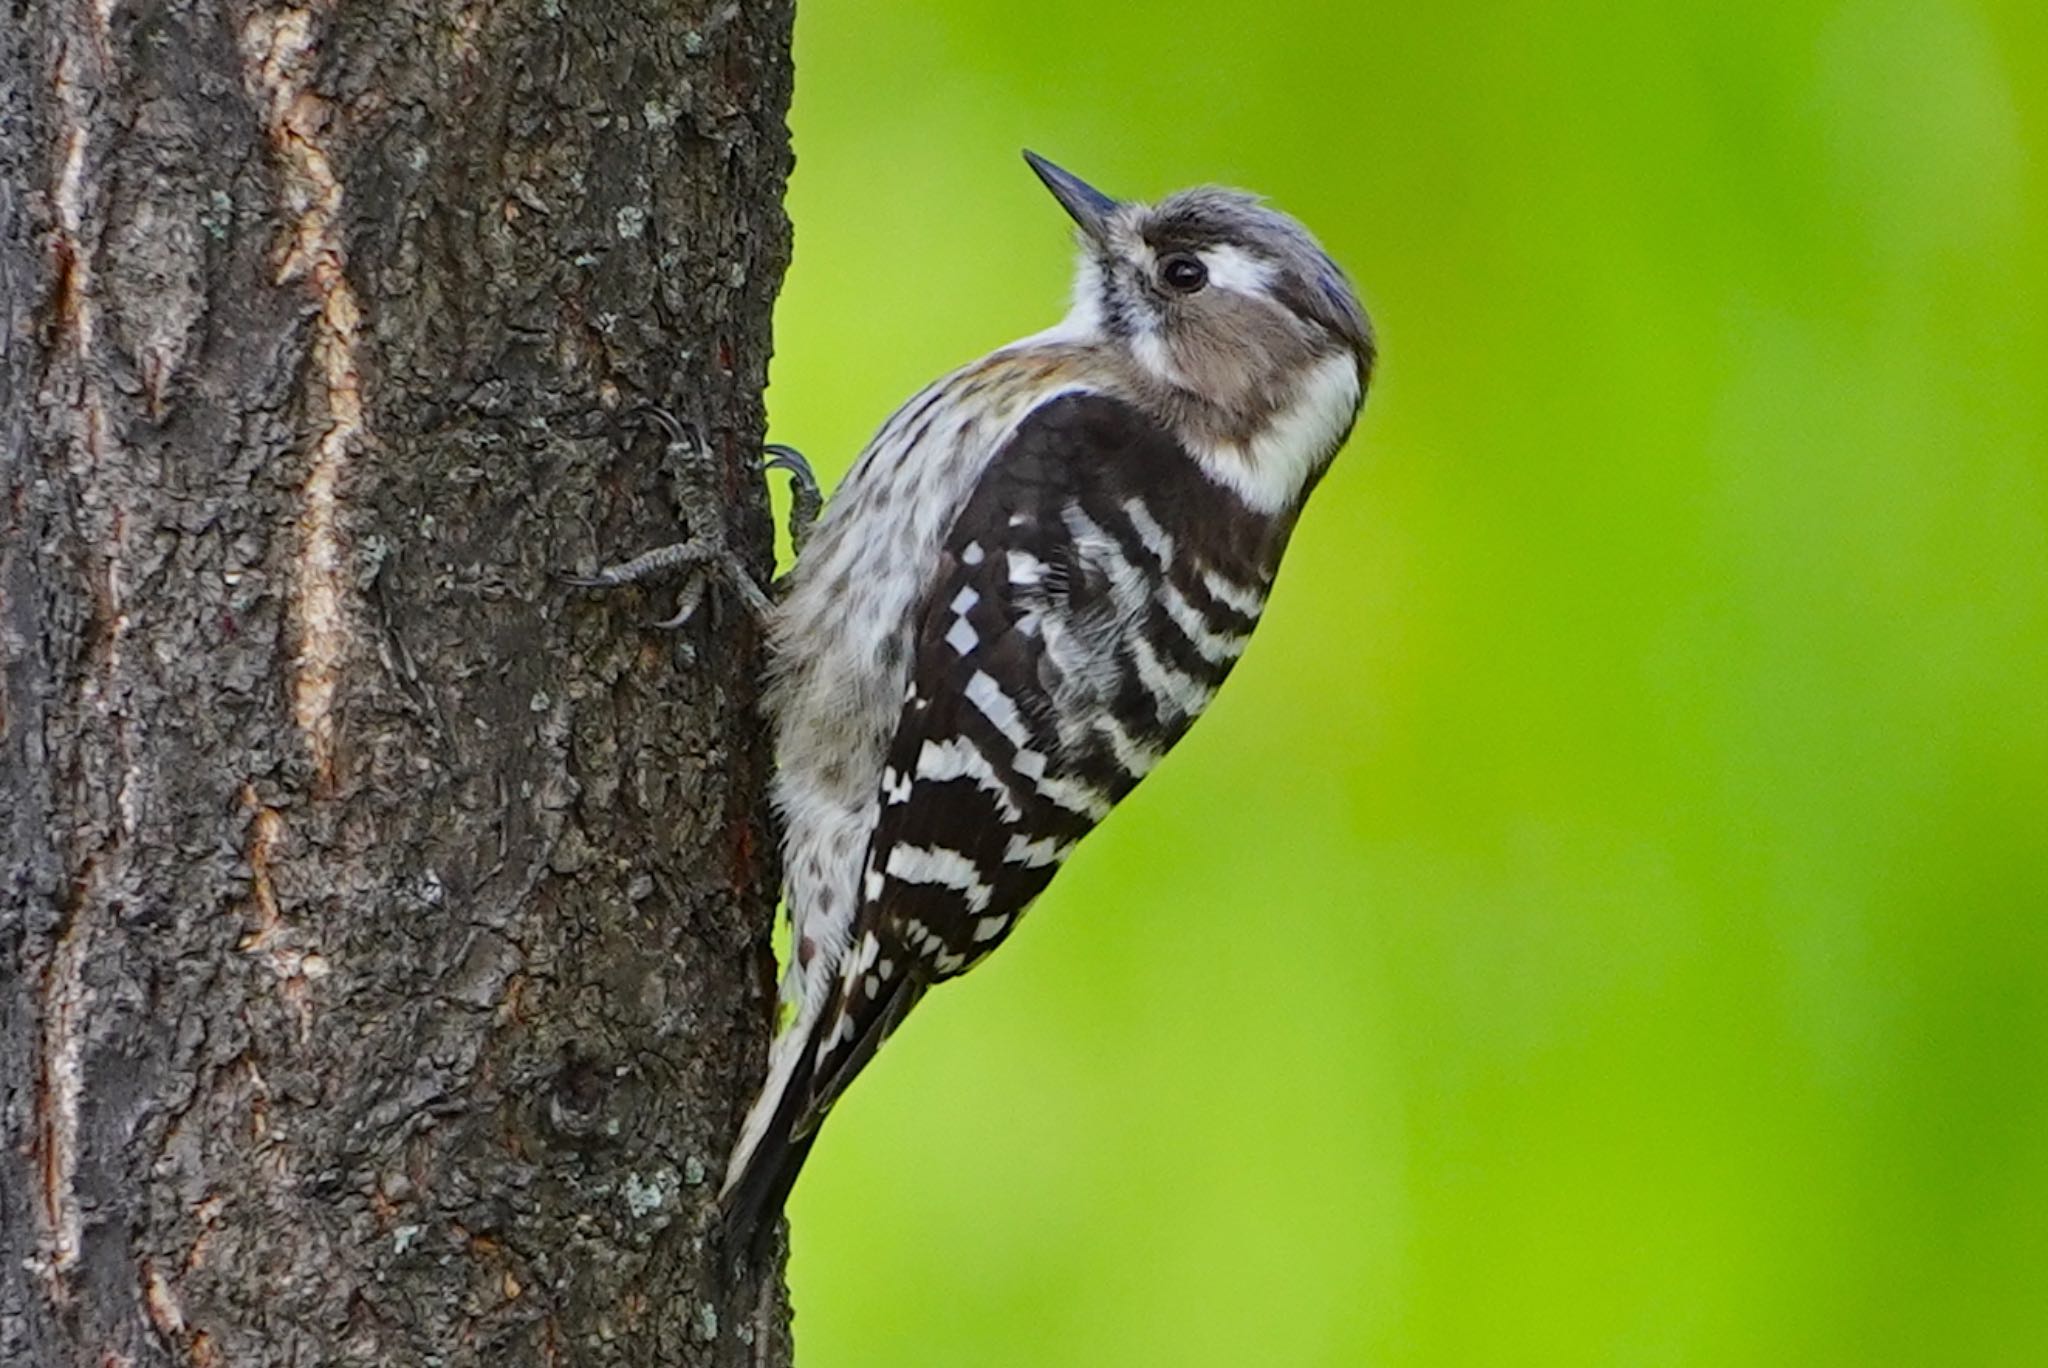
(1029,585)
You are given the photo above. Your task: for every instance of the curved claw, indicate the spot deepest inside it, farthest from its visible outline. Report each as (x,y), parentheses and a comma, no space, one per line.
(676,430)
(781,457)
(705,556)
(805,497)
(688,600)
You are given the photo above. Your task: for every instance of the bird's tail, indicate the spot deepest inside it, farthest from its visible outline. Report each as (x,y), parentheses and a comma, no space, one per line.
(831,1041)
(768,1154)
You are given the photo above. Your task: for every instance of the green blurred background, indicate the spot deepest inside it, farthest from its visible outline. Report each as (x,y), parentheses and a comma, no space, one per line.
(1605,920)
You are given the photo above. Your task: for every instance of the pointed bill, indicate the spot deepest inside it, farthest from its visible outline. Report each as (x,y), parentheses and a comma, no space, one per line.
(1089,207)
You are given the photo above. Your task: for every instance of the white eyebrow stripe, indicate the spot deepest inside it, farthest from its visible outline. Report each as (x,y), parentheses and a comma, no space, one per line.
(1233,268)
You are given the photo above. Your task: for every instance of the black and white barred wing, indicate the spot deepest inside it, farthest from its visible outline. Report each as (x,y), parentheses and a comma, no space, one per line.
(1092,595)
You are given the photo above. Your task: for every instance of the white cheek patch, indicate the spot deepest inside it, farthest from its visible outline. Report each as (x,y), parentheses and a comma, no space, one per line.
(1233,268)
(1269,471)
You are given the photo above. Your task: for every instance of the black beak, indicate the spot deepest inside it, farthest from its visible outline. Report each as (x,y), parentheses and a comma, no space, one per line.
(1089,207)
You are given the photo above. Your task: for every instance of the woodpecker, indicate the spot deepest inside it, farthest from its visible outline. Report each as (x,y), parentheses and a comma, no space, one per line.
(1031,583)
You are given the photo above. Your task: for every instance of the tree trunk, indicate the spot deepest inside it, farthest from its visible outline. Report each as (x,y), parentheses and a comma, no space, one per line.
(384,927)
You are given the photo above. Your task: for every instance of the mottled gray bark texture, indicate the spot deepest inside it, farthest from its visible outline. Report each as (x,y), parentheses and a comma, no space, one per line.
(383,924)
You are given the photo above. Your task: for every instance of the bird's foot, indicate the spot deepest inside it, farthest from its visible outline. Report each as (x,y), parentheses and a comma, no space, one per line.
(706,556)
(804,497)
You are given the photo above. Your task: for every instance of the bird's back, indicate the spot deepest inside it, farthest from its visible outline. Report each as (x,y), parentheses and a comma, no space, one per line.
(840,647)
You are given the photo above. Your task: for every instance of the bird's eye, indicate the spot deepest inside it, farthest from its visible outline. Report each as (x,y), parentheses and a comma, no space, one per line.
(1184,273)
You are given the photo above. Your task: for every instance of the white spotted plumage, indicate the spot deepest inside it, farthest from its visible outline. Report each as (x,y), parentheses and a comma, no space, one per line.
(1029,585)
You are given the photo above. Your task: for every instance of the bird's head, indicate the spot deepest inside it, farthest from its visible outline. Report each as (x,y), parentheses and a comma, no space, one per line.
(1221,301)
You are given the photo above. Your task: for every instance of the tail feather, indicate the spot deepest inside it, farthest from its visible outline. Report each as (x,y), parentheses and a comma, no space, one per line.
(768,1154)
(857,1029)
(754,1196)
(789,1069)
(783,1123)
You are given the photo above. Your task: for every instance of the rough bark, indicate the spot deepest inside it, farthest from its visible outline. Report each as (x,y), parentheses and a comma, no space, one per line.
(383,932)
